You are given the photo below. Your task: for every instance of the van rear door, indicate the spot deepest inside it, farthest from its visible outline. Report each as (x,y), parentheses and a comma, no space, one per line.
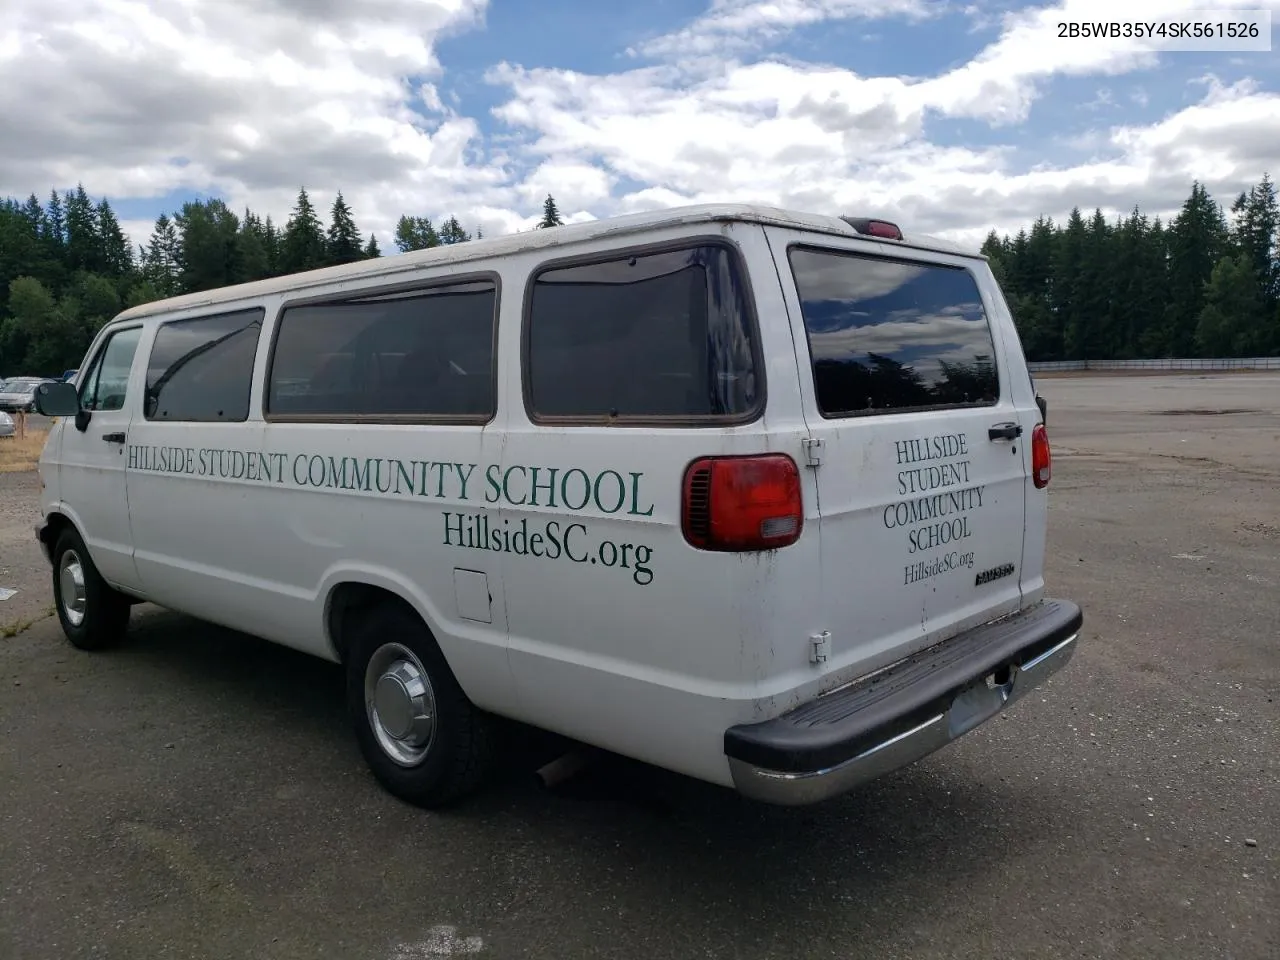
(921,470)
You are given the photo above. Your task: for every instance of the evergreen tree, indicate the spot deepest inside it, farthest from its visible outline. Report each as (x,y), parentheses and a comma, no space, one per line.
(550,214)
(208,255)
(1137,287)
(415,233)
(116,254)
(1256,235)
(1091,334)
(160,258)
(1086,288)
(344,243)
(56,218)
(1066,289)
(251,253)
(272,242)
(33,213)
(1232,322)
(303,245)
(1197,238)
(371,248)
(451,232)
(84,244)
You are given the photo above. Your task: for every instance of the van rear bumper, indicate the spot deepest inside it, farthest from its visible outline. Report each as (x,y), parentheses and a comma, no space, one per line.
(906,711)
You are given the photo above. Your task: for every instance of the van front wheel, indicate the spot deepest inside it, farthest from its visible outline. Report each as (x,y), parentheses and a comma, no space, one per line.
(92,614)
(420,735)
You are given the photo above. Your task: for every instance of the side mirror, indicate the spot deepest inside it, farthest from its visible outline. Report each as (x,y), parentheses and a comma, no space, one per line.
(57,399)
(1043,404)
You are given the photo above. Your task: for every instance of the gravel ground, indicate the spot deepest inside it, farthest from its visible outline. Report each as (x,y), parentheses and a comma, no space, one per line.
(22,565)
(196,793)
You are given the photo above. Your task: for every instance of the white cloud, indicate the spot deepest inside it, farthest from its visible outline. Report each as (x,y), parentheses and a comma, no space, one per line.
(250,99)
(1000,84)
(246,98)
(828,139)
(741,24)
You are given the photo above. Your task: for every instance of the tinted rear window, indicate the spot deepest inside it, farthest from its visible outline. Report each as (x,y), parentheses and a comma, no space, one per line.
(201,370)
(656,335)
(888,335)
(423,354)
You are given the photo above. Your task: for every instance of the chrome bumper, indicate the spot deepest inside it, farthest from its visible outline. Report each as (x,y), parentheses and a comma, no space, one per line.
(922,725)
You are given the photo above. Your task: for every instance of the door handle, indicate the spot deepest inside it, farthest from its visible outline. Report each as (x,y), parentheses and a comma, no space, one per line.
(1004,431)
(113,437)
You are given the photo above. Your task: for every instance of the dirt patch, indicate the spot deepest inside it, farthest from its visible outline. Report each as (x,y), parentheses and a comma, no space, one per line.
(1269,530)
(18,454)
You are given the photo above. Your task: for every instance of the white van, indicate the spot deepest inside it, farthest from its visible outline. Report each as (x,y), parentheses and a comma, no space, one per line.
(753,495)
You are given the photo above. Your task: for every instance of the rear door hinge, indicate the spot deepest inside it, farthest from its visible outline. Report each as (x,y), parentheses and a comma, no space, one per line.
(819,647)
(812,450)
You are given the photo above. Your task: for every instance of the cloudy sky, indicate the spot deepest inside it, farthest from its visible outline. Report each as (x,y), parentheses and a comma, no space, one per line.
(948,116)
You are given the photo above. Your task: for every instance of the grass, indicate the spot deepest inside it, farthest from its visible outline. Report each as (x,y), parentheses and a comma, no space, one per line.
(17,455)
(13,629)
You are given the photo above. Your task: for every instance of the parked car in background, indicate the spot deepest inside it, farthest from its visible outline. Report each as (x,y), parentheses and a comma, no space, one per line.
(7,429)
(18,394)
(69,375)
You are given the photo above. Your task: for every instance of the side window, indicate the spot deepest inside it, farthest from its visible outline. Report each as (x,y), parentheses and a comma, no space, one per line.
(422,354)
(889,335)
(661,335)
(201,369)
(105,384)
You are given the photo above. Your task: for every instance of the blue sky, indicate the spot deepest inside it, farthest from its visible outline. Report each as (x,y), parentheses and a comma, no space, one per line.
(952,117)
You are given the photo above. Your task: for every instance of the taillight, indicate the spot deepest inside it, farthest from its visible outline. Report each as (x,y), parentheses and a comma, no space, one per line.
(1041,457)
(742,503)
(874,228)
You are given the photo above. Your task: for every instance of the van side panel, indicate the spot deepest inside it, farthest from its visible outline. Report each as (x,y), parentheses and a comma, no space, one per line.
(628,637)
(253,524)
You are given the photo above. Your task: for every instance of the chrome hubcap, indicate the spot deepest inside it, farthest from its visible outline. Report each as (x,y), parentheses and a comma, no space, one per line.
(400,704)
(71,587)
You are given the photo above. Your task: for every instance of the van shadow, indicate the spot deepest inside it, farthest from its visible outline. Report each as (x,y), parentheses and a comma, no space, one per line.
(636,829)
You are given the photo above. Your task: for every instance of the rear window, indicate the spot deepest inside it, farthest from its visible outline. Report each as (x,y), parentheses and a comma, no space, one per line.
(887,335)
(422,354)
(648,336)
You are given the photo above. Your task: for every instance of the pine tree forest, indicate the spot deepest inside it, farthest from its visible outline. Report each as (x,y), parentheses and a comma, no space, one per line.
(1206,284)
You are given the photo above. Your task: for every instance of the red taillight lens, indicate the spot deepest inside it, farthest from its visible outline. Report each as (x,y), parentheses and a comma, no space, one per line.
(880,228)
(742,503)
(1041,457)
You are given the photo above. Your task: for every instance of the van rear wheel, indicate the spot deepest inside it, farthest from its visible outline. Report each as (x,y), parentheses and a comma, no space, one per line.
(92,614)
(425,742)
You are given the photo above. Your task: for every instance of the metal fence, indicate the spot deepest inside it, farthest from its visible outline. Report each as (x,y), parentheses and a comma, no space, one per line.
(1232,363)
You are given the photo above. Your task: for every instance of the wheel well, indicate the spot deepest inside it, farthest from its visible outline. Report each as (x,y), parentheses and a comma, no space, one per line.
(55,523)
(349,600)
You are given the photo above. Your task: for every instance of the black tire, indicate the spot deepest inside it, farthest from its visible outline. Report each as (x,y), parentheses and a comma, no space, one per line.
(104,612)
(458,753)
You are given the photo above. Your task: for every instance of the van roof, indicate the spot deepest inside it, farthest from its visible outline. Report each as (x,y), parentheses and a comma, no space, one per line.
(516,243)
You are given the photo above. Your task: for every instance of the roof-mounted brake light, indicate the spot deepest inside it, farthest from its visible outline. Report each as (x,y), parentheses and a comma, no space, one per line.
(874,228)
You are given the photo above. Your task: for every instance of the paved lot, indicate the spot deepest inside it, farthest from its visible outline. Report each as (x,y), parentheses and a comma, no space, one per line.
(196,793)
